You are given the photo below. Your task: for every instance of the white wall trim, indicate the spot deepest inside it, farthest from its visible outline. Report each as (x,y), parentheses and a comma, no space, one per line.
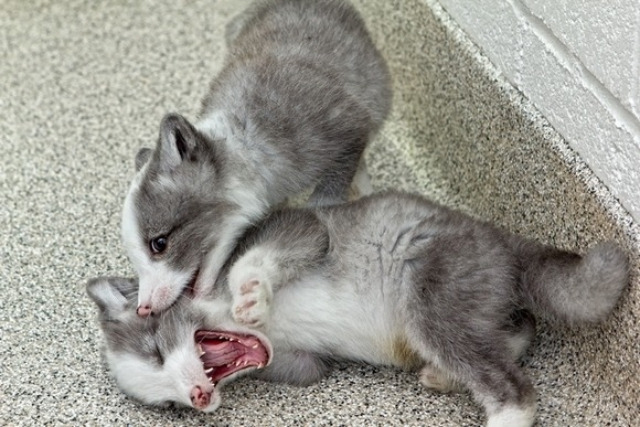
(554,68)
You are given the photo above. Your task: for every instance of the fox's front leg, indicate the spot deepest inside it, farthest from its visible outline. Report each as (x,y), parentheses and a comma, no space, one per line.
(251,282)
(289,244)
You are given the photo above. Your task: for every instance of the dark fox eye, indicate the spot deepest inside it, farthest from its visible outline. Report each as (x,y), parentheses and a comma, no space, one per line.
(158,245)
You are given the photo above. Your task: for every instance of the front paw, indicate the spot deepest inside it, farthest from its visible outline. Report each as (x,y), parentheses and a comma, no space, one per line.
(251,303)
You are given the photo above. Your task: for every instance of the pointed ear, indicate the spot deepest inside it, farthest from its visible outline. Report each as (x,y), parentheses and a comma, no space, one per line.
(113,295)
(142,157)
(178,139)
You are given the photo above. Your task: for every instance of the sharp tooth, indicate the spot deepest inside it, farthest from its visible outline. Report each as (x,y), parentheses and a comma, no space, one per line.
(245,363)
(255,345)
(208,371)
(260,365)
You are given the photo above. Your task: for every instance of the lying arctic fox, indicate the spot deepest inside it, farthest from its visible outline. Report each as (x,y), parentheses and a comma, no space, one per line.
(302,92)
(391,279)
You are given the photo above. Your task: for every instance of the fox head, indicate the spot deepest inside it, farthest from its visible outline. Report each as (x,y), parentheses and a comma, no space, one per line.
(172,357)
(172,212)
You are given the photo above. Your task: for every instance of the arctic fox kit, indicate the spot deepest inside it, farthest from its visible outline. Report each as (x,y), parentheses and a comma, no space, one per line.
(302,92)
(390,279)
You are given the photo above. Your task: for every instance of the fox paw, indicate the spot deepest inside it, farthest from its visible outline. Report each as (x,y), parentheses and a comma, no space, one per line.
(438,380)
(251,303)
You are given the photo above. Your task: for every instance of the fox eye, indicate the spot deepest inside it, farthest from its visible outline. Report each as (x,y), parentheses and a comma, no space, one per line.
(158,245)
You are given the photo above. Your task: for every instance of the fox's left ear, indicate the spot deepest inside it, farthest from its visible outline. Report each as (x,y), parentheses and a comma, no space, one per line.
(113,295)
(178,141)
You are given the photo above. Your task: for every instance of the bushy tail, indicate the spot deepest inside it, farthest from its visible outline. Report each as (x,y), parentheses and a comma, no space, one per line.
(566,287)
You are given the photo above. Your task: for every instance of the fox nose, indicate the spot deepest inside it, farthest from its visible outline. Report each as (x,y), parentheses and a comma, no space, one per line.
(144,310)
(199,398)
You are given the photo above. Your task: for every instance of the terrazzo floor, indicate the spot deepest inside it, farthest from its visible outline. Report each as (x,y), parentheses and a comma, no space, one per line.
(84,84)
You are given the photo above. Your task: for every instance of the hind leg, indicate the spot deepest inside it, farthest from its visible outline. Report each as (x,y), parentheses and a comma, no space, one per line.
(485,366)
(437,379)
(521,331)
(506,394)
(499,386)
(333,187)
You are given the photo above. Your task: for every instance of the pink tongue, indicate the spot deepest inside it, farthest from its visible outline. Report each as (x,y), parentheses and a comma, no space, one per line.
(221,353)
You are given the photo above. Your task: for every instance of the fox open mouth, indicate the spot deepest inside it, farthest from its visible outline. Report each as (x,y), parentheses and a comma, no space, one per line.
(225,353)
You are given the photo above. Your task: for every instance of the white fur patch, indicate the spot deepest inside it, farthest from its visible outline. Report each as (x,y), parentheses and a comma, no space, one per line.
(143,380)
(512,416)
(216,125)
(336,322)
(185,367)
(153,384)
(253,199)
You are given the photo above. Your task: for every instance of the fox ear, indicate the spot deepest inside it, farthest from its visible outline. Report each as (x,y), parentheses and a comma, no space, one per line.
(178,139)
(113,295)
(142,157)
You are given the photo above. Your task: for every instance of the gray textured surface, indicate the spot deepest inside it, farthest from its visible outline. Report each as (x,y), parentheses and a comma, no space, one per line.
(84,85)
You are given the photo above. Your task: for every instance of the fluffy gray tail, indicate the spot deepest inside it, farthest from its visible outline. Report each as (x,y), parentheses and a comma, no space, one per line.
(564,286)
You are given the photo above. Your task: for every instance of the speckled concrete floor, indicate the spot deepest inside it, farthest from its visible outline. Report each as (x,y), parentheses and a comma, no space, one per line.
(84,85)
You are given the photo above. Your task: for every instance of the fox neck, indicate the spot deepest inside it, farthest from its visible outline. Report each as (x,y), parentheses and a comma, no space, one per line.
(247,187)
(247,181)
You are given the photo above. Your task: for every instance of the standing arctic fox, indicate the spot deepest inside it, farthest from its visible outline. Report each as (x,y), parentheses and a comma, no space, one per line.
(301,93)
(390,279)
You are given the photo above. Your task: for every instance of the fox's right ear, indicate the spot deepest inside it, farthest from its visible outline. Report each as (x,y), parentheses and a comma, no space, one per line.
(178,141)
(113,295)
(142,157)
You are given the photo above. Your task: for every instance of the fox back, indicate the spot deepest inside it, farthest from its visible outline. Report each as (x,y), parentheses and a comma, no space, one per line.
(395,279)
(301,93)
